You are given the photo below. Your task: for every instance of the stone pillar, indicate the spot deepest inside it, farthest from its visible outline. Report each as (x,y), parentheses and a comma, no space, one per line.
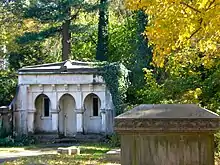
(79,109)
(54,116)
(31,122)
(103,117)
(22,107)
(54,110)
(79,121)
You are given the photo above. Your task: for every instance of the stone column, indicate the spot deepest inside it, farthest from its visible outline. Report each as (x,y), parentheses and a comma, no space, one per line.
(103,122)
(31,121)
(79,109)
(54,117)
(79,120)
(23,109)
(54,109)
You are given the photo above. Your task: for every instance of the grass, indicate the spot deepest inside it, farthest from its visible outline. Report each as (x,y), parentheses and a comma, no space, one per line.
(90,154)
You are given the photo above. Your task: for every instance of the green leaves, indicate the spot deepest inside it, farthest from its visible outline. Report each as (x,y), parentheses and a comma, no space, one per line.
(37,36)
(115,76)
(179,24)
(8,82)
(185,80)
(31,54)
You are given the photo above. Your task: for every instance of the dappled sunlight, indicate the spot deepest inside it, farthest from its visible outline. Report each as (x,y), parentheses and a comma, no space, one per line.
(91,154)
(12,149)
(61,159)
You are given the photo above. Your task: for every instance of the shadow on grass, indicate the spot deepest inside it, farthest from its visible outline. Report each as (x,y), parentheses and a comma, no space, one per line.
(93,151)
(58,159)
(56,145)
(89,152)
(46,147)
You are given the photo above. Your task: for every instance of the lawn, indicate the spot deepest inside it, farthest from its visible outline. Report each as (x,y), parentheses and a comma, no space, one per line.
(91,154)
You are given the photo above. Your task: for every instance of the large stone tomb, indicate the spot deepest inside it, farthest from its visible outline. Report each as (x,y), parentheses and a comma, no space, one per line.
(174,134)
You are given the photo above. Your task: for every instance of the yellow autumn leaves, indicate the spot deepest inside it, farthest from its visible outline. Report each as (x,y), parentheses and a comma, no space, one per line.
(177,24)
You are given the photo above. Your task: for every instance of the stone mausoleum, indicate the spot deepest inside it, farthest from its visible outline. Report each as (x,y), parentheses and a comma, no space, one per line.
(63,98)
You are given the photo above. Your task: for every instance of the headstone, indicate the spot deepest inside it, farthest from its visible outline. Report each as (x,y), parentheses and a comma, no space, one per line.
(175,134)
(113,155)
(69,150)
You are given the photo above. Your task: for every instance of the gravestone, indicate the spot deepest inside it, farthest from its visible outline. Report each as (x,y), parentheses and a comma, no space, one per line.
(73,150)
(113,155)
(175,134)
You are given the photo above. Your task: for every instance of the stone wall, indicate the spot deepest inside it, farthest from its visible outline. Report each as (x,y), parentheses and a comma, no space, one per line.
(167,134)
(167,149)
(6,124)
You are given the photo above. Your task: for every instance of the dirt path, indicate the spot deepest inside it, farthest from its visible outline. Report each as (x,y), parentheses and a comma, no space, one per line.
(8,154)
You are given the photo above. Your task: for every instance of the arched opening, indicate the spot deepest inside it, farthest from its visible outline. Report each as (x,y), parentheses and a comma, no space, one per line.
(42,122)
(67,115)
(91,115)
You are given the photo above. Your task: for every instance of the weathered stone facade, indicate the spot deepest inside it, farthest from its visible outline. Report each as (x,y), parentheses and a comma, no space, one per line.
(63,98)
(175,134)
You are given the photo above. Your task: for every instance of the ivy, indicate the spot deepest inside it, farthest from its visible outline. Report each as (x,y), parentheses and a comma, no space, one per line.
(115,76)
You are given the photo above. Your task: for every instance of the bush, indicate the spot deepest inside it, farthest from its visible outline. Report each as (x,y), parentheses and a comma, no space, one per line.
(114,140)
(8,141)
(217,142)
(8,81)
(17,141)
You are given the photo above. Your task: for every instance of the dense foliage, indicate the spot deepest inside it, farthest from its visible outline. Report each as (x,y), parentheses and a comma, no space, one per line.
(184,36)
(178,24)
(116,77)
(187,64)
(17,141)
(183,82)
(8,82)
(58,17)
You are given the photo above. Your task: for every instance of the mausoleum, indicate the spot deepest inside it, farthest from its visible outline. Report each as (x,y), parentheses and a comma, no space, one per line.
(63,98)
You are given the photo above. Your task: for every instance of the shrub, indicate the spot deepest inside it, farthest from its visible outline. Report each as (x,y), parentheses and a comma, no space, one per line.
(114,140)
(17,141)
(217,142)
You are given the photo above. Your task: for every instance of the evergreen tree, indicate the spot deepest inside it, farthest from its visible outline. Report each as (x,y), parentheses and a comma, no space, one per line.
(58,16)
(102,45)
(143,53)
(141,59)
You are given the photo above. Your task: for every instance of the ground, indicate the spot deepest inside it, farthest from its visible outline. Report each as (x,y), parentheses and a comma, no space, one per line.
(91,154)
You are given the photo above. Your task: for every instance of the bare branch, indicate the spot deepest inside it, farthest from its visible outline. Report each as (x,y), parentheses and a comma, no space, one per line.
(194,32)
(200,27)
(73,17)
(196,10)
(211,3)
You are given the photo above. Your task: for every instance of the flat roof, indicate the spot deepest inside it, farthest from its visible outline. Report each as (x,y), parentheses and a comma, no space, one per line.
(69,66)
(151,111)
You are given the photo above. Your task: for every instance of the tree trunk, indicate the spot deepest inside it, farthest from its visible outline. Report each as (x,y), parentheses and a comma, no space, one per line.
(66,38)
(102,45)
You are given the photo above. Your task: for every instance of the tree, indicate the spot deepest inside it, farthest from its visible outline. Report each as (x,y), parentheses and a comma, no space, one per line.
(8,81)
(57,16)
(143,54)
(11,26)
(27,55)
(177,24)
(102,43)
(186,81)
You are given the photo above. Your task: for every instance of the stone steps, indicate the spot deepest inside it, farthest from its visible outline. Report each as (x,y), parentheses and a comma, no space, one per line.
(54,138)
